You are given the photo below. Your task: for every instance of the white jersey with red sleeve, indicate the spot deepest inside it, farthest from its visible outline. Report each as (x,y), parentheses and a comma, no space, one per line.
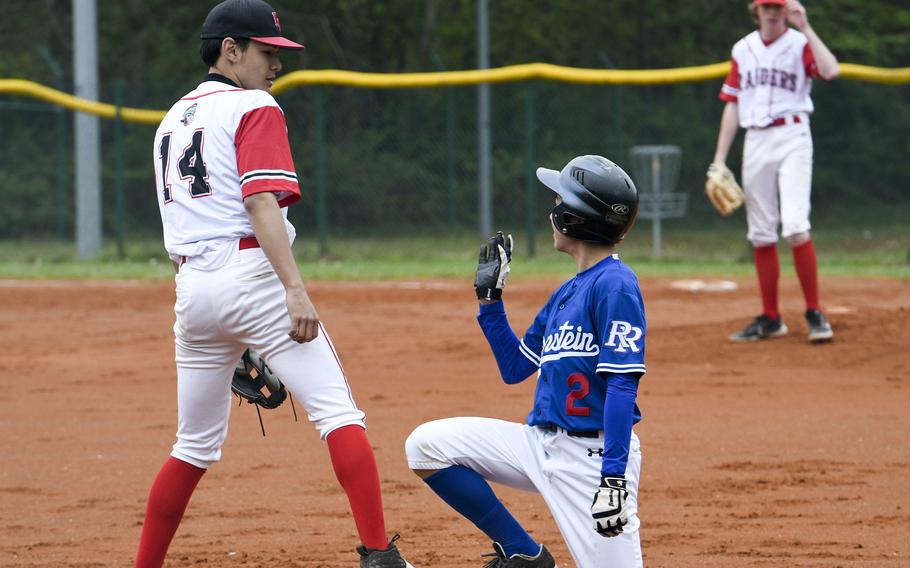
(770,81)
(216,146)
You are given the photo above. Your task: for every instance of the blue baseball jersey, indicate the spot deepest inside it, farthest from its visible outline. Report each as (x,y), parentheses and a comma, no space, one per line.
(592,326)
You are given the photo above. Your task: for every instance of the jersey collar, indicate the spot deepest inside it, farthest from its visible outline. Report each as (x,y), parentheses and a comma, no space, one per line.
(591,269)
(219,78)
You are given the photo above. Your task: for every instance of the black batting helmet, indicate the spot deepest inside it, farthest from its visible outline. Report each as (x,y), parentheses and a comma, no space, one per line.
(599,199)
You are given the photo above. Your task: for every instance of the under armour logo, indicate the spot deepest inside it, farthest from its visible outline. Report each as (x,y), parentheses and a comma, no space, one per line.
(623,336)
(597,451)
(277,23)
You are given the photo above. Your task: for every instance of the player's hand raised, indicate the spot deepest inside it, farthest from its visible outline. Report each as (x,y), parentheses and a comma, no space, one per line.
(796,14)
(609,507)
(493,267)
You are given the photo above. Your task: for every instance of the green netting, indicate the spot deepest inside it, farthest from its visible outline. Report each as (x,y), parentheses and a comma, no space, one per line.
(402,161)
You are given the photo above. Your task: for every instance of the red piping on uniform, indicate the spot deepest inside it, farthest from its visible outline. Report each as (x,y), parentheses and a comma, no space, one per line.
(337,360)
(212,93)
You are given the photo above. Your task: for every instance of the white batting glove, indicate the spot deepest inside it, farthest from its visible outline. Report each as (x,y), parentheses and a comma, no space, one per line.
(609,508)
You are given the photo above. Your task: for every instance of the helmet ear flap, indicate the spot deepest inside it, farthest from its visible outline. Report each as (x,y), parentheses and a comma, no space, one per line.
(572,225)
(568,219)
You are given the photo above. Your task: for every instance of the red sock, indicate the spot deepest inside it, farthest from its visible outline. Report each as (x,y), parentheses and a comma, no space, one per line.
(168,498)
(807,271)
(355,467)
(768,267)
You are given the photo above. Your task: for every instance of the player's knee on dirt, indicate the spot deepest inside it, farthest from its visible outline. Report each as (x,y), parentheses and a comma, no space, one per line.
(799,239)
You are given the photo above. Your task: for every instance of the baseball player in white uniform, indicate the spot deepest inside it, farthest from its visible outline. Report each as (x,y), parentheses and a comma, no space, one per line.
(767,93)
(224,176)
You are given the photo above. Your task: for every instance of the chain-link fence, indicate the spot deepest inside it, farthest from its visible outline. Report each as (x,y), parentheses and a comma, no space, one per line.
(402,161)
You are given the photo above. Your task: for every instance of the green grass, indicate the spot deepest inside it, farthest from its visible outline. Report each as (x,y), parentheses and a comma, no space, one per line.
(878,252)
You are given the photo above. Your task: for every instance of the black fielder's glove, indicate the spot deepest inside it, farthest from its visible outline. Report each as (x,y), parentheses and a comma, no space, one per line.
(609,507)
(493,267)
(254,382)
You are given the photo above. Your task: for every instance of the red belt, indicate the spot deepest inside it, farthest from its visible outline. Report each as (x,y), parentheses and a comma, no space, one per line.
(252,243)
(783,120)
(244,243)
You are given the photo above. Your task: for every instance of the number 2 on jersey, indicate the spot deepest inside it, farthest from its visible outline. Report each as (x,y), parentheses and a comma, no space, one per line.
(191,166)
(577,394)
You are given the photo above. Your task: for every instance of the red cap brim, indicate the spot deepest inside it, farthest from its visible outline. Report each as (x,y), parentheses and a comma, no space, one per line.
(278,42)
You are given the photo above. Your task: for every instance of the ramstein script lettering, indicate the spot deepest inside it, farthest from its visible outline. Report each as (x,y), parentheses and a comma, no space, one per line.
(764,76)
(569,340)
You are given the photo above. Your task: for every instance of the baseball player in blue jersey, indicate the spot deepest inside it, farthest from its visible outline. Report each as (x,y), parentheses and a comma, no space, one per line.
(587,348)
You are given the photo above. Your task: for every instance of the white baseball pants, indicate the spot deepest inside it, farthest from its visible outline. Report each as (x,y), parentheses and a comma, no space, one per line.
(564,470)
(219,314)
(777,180)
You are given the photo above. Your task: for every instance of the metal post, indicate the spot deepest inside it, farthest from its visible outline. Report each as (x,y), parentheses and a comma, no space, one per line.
(530,177)
(87,138)
(450,146)
(484,144)
(321,223)
(617,121)
(617,109)
(118,170)
(60,194)
(450,157)
(655,189)
(61,168)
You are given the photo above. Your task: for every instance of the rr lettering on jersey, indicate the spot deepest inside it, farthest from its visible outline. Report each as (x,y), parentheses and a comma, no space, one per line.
(623,336)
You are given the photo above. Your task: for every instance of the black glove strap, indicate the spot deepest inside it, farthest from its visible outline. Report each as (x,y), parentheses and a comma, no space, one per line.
(488,293)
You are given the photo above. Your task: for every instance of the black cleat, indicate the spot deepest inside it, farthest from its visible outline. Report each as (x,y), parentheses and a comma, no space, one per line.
(543,559)
(819,328)
(762,327)
(388,558)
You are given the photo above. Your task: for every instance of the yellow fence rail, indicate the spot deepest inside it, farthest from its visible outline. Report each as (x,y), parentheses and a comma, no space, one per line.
(512,73)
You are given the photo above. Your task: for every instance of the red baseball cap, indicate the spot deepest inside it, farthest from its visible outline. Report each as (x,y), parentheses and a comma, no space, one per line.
(777,2)
(253,19)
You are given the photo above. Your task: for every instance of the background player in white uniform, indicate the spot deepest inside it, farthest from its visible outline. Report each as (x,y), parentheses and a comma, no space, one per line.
(767,93)
(224,177)
(587,347)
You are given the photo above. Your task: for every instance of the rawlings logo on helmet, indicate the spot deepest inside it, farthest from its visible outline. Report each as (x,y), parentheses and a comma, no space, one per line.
(620,209)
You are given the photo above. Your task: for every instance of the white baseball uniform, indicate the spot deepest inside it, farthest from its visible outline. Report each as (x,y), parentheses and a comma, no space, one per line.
(216,146)
(771,84)
(562,468)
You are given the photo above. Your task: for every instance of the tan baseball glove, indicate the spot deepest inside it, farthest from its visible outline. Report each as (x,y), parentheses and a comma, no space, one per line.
(725,194)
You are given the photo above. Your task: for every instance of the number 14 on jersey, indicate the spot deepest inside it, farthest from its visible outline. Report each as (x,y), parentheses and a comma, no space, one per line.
(190,167)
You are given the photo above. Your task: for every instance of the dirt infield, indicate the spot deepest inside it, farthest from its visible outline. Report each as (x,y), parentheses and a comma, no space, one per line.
(770,454)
